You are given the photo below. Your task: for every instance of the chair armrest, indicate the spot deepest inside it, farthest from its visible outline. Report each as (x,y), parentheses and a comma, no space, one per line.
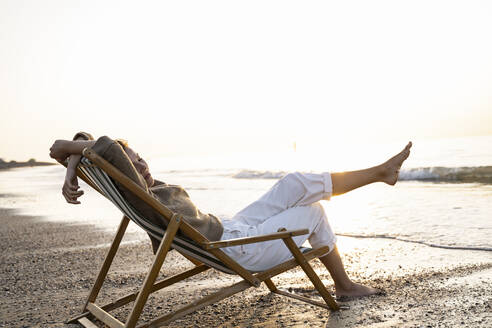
(254,239)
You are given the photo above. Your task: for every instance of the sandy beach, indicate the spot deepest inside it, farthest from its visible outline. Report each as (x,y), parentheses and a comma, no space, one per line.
(368,120)
(47,269)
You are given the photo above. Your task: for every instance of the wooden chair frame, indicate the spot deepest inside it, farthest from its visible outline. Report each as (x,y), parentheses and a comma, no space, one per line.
(176,222)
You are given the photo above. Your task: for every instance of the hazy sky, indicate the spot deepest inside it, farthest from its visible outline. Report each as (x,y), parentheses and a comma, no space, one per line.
(200,76)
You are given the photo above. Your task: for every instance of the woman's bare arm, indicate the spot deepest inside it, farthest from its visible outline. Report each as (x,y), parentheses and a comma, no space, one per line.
(63,149)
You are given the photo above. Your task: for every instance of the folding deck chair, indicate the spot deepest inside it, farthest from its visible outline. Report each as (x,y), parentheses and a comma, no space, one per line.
(179,235)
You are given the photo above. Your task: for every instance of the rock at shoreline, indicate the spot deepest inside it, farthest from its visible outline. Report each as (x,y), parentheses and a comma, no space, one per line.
(13,164)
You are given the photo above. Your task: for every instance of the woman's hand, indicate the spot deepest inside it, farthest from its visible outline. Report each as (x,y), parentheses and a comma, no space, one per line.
(70,187)
(60,150)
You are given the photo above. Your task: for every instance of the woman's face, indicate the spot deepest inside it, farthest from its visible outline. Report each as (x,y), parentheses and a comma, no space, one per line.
(140,165)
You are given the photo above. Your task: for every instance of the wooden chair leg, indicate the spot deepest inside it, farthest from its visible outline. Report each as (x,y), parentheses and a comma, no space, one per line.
(198,304)
(157,286)
(107,262)
(318,284)
(270,285)
(143,295)
(231,290)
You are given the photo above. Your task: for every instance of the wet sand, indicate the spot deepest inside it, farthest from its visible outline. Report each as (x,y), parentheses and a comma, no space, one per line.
(48,268)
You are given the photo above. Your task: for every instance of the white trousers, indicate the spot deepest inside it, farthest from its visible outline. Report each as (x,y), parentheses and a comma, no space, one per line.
(292,203)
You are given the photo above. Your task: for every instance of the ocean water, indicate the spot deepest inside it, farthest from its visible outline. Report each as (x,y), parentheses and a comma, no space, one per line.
(443,198)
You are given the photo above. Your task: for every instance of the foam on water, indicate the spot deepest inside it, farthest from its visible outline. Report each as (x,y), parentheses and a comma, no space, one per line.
(252,174)
(479,174)
(470,248)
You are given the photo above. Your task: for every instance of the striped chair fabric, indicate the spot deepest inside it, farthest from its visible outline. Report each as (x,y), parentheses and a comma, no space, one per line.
(181,243)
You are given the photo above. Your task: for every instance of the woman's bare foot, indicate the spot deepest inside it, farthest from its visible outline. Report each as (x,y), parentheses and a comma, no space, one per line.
(356,290)
(391,168)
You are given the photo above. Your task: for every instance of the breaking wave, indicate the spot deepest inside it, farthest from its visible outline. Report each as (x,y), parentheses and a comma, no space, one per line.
(477,174)
(249,174)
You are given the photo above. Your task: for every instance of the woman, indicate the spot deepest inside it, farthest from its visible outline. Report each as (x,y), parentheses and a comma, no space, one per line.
(292,203)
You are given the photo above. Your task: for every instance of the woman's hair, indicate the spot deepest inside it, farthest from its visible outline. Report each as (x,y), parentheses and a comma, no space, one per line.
(123,143)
